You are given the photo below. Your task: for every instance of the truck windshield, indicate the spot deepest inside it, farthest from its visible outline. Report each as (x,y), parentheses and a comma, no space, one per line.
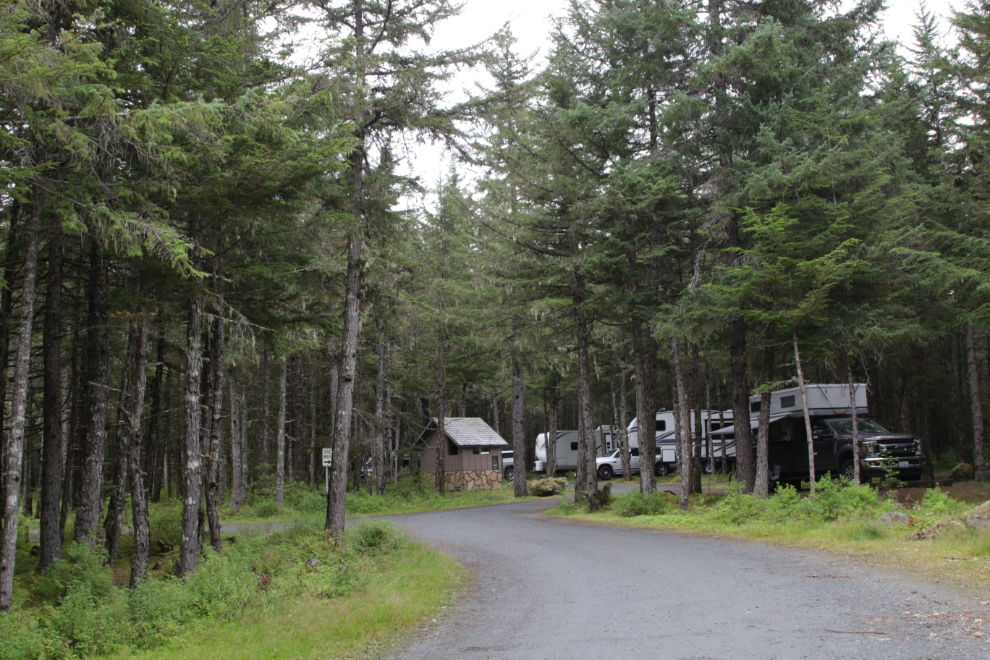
(845,426)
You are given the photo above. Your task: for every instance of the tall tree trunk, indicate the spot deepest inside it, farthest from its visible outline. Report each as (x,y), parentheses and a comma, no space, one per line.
(440,475)
(53,463)
(518,431)
(745,472)
(737,327)
(382,418)
(696,436)
(684,424)
(91,499)
(585,424)
(245,451)
(855,418)
(118,494)
(617,432)
(12,263)
(214,448)
(692,383)
(495,415)
(71,395)
(190,543)
(761,486)
(280,436)
(18,405)
(299,420)
(264,410)
(976,407)
(235,440)
(352,304)
(807,416)
(645,363)
(156,443)
(551,436)
(139,503)
(725,441)
(623,427)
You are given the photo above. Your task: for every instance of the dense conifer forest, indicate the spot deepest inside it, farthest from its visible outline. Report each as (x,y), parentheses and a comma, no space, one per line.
(211,269)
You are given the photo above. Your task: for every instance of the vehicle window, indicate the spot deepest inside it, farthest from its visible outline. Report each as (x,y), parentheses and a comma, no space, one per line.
(845,426)
(573,446)
(634,451)
(823,427)
(776,435)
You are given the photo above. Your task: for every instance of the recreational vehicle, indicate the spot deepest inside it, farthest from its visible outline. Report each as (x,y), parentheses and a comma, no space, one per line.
(880,452)
(567,449)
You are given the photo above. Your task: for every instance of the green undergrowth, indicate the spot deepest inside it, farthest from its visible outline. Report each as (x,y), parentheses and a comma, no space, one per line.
(289,594)
(415,494)
(839,518)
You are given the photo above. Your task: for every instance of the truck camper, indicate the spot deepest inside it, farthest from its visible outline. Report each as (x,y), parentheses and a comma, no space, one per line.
(880,452)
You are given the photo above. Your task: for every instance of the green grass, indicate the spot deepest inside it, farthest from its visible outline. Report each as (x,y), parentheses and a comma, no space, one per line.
(418,582)
(417,495)
(839,519)
(291,594)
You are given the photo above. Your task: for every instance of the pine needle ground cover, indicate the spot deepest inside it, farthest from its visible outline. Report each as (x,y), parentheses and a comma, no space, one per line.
(290,594)
(839,518)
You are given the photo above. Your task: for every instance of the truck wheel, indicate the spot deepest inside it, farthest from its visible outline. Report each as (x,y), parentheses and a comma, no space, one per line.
(848,470)
(661,470)
(605,472)
(706,467)
(509,473)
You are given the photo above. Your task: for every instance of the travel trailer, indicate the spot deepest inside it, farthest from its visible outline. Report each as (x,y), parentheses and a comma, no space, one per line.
(567,449)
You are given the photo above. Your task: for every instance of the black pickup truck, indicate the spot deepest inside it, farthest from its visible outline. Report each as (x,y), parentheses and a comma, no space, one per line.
(880,451)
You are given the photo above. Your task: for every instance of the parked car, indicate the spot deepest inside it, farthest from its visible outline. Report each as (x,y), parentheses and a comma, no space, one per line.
(507,472)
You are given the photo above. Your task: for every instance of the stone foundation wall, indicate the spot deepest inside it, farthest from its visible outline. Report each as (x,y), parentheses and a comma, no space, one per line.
(473,480)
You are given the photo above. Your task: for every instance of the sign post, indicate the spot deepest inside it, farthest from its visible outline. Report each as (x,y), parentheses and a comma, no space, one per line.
(327,461)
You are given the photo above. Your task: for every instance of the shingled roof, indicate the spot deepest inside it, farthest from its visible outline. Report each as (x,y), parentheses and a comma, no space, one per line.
(469,432)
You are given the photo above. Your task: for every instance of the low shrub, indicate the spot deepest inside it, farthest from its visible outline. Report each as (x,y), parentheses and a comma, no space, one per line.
(547,487)
(311,503)
(378,536)
(945,461)
(737,508)
(265,509)
(835,498)
(630,505)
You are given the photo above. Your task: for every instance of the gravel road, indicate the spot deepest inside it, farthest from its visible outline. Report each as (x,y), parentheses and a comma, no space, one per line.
(548,589)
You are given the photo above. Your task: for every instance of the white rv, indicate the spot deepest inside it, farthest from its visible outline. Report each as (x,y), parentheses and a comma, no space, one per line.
(711,420)
(567,449)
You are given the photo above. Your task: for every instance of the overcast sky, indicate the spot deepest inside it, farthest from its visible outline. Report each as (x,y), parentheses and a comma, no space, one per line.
(531,22)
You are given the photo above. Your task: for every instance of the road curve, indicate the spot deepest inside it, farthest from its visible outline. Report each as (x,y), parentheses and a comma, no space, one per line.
(548,589)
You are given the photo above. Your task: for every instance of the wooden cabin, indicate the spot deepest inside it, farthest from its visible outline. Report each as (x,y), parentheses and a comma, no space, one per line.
(472,453)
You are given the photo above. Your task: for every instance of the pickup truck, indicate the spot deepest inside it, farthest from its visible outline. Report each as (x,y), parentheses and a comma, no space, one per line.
(611,465)
(880,451)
